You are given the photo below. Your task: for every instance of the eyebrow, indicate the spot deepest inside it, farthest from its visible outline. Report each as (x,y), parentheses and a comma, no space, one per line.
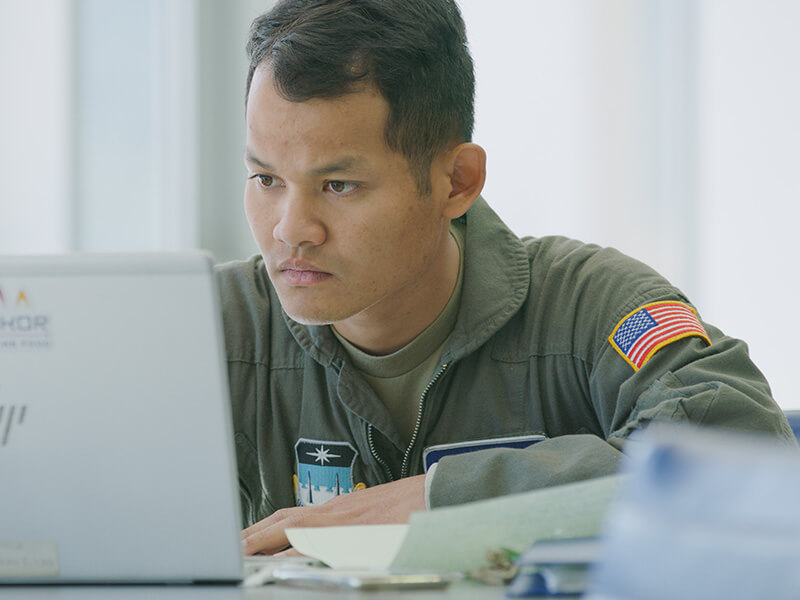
(343,164)
(251,158)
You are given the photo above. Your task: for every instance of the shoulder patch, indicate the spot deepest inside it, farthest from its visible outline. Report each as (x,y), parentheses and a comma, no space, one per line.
(642,332)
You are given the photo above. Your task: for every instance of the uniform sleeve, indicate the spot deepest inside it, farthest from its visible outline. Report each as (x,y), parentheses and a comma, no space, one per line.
(688,380)
(498,472)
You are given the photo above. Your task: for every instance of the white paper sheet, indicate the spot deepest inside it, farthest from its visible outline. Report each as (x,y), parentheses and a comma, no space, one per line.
(457,538)
(355,547)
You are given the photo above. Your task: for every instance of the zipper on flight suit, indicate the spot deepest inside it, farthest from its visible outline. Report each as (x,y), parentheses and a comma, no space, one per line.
(381,462)
(414,435)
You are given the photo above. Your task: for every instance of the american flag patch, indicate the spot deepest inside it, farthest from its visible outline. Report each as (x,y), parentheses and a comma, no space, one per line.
(651,327)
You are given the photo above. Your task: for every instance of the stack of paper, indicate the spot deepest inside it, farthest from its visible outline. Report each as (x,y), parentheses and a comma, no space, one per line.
(555,567)
(457,538)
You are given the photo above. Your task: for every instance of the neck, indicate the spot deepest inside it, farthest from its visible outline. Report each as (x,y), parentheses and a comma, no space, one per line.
(392,323)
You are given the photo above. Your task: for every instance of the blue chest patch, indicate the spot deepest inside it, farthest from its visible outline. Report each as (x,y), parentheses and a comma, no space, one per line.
(324,470)
(433,454)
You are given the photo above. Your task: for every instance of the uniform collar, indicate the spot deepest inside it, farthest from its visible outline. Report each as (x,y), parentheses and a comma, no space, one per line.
(496,280)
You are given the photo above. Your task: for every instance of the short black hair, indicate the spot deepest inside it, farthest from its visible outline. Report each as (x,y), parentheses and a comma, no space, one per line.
(413,51)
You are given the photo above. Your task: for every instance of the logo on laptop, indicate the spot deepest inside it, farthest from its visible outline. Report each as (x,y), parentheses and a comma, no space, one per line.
(10,416)
(324,470)
(21,326)
(21,299)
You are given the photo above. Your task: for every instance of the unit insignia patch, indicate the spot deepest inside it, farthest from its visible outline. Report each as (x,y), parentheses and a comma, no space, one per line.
(324,470)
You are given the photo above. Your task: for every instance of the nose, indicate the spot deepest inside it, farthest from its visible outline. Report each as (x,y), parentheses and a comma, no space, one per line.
(298,223)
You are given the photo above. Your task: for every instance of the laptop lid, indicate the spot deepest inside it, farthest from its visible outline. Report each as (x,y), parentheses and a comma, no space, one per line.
(117,461)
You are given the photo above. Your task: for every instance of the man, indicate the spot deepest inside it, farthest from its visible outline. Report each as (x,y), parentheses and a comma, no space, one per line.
(391,312)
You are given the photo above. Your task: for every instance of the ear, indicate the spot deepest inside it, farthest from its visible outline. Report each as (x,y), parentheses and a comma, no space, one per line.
(467,170)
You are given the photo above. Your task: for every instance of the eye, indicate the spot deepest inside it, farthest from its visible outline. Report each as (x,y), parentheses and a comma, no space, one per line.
(341,187)
(265,181)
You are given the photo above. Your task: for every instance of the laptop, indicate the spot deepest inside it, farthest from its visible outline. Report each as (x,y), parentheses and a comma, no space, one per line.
(117,461)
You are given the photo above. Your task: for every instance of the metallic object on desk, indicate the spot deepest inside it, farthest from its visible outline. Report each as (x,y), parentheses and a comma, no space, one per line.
(325,578)
(500,568)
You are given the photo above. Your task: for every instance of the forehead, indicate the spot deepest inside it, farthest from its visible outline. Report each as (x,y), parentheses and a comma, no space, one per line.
(352,122)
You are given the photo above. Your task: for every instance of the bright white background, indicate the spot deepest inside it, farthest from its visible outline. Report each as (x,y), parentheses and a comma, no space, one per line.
(666,128)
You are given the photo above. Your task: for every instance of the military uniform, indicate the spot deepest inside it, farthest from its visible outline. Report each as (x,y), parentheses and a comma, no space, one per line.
(544,343)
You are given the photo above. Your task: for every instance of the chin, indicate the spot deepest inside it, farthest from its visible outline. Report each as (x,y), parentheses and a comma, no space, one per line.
(323,309)
(309,320)
(309,316)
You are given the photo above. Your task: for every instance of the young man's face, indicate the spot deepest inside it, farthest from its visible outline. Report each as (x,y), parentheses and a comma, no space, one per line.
(336,214)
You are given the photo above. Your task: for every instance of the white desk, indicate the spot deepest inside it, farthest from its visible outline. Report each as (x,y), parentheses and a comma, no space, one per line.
(458,591)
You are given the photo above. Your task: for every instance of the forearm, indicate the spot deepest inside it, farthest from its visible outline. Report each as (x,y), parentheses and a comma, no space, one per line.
(489,473)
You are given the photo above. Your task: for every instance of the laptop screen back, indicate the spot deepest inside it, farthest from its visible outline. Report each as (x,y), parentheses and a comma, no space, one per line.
(116,453)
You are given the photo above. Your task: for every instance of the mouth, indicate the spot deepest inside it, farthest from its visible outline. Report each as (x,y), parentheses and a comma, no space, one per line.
(301,273)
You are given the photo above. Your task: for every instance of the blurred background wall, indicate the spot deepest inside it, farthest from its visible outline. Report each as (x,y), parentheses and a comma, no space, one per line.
(666,128)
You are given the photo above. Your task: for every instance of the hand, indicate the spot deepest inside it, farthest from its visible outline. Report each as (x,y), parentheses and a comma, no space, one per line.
(387,503)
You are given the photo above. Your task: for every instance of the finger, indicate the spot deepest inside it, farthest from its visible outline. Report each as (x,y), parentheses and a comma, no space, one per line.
(270,521)
(290,551)
(269,535)
(267,541)
(278,515)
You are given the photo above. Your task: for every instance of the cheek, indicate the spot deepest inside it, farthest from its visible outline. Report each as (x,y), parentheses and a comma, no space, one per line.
(408,241)
(248,203)
(257,216)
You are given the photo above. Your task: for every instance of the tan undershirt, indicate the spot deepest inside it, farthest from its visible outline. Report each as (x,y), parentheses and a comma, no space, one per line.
(400,378)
